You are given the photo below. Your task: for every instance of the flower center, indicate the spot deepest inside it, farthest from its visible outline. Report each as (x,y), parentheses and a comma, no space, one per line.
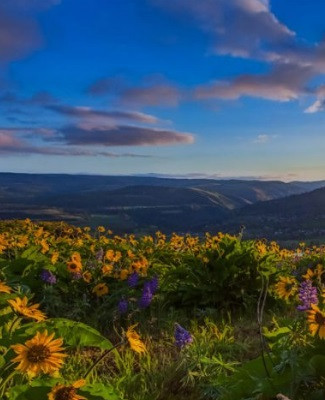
(65,393)
(288,287)
(38,353)
(320,319)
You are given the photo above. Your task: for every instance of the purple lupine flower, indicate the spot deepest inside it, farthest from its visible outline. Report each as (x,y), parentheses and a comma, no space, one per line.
(133,280)
(48,277)
(182,336)
(153,284)
(123,306)
(307,296)
(76,276)
(100,254)
(91,265)
(146,297)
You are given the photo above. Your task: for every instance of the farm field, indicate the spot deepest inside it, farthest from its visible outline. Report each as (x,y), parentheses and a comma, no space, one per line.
(87,314)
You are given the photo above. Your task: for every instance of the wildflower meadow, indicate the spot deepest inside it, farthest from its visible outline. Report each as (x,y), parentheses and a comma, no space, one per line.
(92,315)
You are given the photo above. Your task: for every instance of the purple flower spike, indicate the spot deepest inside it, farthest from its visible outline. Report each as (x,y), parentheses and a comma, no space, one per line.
(133,280)
(48,277)
(99,255)
(182,336)
(307,296)
(76,276)
(123,306)
(146,297)
(154,283)
(151,285)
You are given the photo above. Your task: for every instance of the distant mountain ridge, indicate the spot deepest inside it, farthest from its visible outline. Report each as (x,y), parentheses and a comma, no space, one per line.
(141,204)
(294,217)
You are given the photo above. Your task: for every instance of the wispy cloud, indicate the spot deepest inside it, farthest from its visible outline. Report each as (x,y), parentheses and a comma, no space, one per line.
(106,85)
(249,29)
(91,113)
(10,144)
(18,36)
(20,33)
(264,138)
(319,104)
(241,28)
(285,82)
(153,90)
(122,136)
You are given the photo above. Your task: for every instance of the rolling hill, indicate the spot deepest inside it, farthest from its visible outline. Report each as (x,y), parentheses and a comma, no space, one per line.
(145,204)
(294,217)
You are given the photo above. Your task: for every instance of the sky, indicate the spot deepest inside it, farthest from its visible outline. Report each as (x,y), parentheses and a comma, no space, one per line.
(208,88)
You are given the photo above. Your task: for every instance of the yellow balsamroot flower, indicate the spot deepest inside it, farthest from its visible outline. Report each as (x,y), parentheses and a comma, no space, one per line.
(113,256)
(134,340)
(41,354)
(4,288)
(110,254)
(75,264)
(76,257)
(130,254)
(118,256)
(124,274)
(55,257)
(107,269)
(316,273)
(286,287)
(39,232)
(316,321)
(261,248)
(100,290)
(87,276)
(20,306)
(45,246)
(67,392)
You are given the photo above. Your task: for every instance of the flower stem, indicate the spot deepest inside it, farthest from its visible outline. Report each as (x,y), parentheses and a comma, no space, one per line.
(99,359)
(13,324)
(5,381)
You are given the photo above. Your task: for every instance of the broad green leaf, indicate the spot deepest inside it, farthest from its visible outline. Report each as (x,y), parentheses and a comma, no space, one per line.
(74,334)
(26,392)
(98,391)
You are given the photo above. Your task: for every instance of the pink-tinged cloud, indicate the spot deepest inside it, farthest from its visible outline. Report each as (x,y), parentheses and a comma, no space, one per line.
(7,140)
(122,136)
(319,103)
(153,90)
(18,36)
(283,83)
(104,86)
(91,113)
(152,95)
(12,145)
(20,33)
(244,28)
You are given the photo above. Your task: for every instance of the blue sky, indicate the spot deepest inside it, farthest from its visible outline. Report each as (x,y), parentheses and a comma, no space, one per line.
(221,88)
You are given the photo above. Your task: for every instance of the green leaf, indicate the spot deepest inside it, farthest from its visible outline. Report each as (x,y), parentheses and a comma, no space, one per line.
(98,391)
(317,362)
(25,392)
(74,334)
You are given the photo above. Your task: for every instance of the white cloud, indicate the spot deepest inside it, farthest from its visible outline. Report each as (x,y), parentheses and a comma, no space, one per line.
(264,138)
